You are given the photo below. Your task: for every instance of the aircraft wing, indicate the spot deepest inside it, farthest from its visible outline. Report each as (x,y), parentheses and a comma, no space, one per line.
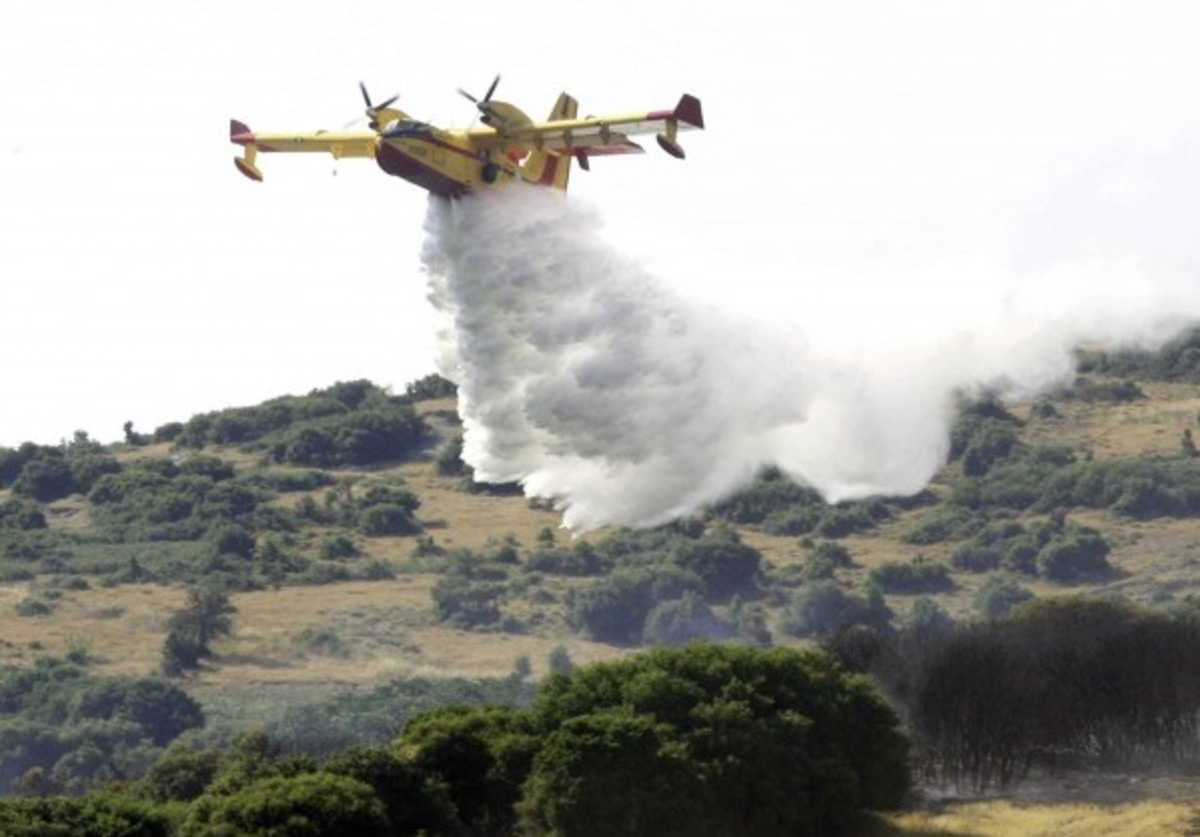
(599,135)
(337,143)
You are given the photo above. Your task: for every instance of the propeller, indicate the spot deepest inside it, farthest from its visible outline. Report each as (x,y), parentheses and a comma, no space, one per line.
(482,104)
(374,109)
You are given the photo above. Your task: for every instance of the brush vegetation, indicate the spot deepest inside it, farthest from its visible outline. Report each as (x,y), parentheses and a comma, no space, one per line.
(313,580)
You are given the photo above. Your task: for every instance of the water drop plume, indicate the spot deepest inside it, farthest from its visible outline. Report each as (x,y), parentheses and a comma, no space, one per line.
(629,401)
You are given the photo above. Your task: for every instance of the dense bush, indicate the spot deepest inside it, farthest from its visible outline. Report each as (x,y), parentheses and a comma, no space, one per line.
(614,608)
(581,559)
(722,562)
(21,515)
(771,493)
(162,500)
(947,522)
(1054,549)
(713,740)
(47,473)
(467,603)
(1177,360)
(683,620)
(916,576)
(68,731)
(429,388)
(1142,488)
(239,425)
(823,608)
(95,815)
(998,595)
(784,507)
(362,437)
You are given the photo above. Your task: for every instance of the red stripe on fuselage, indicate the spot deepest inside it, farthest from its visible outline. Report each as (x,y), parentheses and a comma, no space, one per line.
(549,170)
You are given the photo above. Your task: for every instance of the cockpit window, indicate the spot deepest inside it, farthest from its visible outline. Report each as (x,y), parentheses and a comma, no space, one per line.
(408,128)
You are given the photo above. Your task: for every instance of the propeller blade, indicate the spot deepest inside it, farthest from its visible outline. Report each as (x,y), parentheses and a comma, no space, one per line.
(366,96)
(387,102)
(467,95)
(488,96)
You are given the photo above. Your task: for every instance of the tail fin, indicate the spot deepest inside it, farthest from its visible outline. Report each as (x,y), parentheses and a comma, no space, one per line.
(547,168)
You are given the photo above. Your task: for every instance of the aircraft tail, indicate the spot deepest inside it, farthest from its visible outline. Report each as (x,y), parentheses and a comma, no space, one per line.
(547,168)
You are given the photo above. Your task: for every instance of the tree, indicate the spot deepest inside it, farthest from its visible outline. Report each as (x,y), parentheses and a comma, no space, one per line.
(613,773)
(481,756)
(206,615)
(713,740)
(306,805)
(415,801)
(182,773)
(22,515)
(45,479)
(95,815)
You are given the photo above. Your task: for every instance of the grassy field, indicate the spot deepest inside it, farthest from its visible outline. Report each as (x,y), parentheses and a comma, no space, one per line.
(386,627)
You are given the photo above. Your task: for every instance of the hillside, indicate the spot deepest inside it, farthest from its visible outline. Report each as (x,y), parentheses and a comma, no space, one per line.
(362,561)
(387,626)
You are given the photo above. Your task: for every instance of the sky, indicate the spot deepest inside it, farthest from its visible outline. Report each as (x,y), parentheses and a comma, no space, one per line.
(871,174)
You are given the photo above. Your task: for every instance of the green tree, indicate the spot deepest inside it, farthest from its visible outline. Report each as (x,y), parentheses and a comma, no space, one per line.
(95,815)
(415,801)
(482,756)
(22,515)
(714,740)
(182,773)
(45,478)
(307,805)
(613,773)
(206,615)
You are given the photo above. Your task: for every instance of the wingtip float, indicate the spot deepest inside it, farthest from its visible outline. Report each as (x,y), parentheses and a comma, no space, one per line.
(507,147)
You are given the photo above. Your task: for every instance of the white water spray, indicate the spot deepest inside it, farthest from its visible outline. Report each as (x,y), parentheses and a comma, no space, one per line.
(594,383)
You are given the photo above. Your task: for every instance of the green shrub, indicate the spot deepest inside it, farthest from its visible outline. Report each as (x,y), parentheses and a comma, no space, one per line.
(998,595)
(466,603)
(945,523)
(381,520)
(337,546)
(21,515)
(916,576)
(824,608)
(683,620)
(614,608)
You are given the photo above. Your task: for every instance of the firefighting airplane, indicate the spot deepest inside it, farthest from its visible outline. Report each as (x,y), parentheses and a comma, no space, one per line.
(509,146)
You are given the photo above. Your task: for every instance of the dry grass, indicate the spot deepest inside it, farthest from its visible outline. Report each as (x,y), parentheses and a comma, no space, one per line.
(994,818)
(122,626)
(384,629)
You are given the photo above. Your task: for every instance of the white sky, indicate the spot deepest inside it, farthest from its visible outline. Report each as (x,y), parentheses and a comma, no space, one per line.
(142,278)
